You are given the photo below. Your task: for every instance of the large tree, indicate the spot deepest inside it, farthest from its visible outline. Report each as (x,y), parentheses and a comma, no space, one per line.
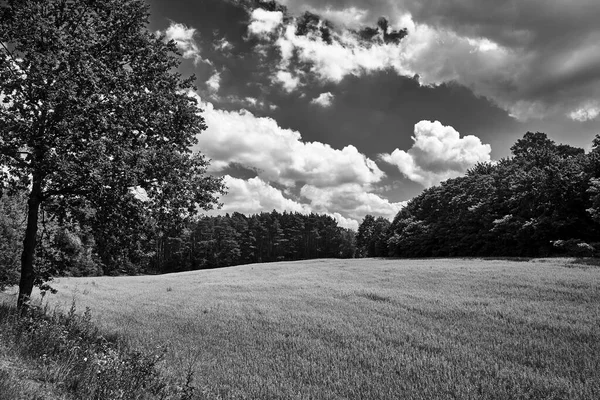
(92,110)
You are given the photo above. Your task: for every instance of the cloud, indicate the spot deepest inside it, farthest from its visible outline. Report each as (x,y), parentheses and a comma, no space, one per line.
(586,113)
(438,153)
(263,22)
(223,45)
(289,81)
(348,17)
(336,182)
(351,199)
(254,195)
(184,38)
(344,222)
(332,61)
(214,82)
(279,155)
(508,52)
(324,99)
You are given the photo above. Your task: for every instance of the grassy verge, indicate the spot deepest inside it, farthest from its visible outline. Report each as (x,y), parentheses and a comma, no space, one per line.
(52,355)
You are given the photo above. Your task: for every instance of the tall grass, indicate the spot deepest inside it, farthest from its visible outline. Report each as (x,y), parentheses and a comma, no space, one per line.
(365,329)
(72,357)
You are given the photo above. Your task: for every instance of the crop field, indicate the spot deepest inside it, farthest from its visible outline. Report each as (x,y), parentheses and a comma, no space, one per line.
(366,328)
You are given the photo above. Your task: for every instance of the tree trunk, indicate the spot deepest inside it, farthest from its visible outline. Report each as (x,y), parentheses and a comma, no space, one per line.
(29,243)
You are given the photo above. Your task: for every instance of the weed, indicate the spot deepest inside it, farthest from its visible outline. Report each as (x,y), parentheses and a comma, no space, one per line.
(73,355)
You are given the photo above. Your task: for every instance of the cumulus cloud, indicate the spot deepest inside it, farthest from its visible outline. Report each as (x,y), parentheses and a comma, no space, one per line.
(184,38)
(351,199)
(280,155)
(344,222)
(438,153)
(349,17)
(214,82)
(287,80)
(344,55)
(586,113)
(509,53)
(336,182)
(223,45)
(437,57)
(263,22)
(254,195)
(324,99)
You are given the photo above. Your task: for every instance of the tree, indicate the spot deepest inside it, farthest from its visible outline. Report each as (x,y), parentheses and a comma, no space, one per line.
(92,111)
(364,237)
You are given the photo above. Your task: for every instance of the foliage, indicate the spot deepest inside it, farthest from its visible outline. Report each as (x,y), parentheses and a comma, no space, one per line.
(221,241)
(92,110)
(371,240)
(74,356)
(540,202)
(12,220)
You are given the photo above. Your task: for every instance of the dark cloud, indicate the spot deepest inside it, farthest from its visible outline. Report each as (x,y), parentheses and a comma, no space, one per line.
(378,112)
(546,62)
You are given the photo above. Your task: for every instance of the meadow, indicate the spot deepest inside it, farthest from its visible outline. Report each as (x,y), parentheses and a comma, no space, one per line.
(364,328)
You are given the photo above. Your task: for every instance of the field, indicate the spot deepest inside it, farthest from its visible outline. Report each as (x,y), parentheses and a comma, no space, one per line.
(365,329)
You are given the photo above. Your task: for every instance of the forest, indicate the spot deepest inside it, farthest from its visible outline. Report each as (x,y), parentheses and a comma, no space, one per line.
(544,200)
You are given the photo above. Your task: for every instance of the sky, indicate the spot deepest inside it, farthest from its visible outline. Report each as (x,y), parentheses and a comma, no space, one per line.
(353,107)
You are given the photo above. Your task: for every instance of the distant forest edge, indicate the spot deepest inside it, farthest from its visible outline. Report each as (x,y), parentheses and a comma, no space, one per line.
(544,200)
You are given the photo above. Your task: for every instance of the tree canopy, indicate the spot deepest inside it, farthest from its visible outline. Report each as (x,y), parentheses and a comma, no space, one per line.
(541,201)
(92,111)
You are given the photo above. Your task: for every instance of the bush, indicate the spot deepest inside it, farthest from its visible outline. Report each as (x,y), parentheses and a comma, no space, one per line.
(73,355)
(574,247)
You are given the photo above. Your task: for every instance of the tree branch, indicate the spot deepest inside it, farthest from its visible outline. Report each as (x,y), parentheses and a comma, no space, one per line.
(12,59)
(12,154)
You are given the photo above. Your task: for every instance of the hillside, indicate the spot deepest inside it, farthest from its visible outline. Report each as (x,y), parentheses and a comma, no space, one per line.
(369,328)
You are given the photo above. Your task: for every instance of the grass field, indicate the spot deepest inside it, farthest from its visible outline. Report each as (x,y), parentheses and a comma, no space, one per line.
(365,329)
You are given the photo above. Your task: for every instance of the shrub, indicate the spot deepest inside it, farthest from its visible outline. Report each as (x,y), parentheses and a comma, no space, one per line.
(73,355)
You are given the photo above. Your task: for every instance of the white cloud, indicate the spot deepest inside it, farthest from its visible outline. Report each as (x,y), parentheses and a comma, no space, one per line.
(438,153)
(585,113)
(351,199)
(351,17)
(346,55)
(344,222)
(508,52)
(289,81)
(332,181)
(223,45)
(254,196)
(263,22)
(214,83)
(184,38)
(324,99)
(436,56)
(279,154)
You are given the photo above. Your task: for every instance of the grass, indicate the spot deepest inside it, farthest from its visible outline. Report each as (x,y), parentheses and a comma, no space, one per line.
(364,329)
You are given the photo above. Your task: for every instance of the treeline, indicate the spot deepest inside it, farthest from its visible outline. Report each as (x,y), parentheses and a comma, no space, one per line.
(222,241)
(544,200)
(207,242)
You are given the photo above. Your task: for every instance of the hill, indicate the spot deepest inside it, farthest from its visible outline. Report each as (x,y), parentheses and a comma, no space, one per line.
(365,328)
